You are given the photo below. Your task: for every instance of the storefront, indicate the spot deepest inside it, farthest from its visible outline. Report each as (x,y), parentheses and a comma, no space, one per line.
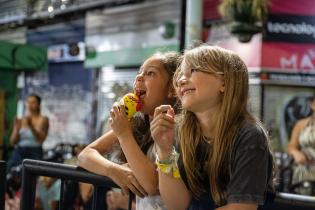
(280,61)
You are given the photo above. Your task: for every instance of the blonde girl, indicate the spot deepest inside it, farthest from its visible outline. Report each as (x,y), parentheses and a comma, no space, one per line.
(223,157)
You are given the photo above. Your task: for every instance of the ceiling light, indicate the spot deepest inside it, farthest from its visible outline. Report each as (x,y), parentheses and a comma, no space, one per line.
(50,8)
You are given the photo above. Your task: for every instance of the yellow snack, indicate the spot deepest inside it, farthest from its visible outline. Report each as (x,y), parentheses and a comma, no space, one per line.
(132,104)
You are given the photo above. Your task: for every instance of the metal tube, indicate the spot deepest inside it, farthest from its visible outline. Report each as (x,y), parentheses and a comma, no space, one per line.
(67,172)
(61,196)
(2,183)
(33,168)
(182,26)
(131,196)
(194,12)
(99,197)
(28,189)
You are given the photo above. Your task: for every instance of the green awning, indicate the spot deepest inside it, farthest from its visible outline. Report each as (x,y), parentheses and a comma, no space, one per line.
(22,57)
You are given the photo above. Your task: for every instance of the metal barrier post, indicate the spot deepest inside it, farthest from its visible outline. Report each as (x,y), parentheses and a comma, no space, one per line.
(2,183)
(34,168)
(28,189)
(99,197)
(131,196)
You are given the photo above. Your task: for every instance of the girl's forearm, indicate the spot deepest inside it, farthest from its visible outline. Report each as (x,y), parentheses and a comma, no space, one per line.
(93,161)
(14,136)
(143,168)
(173,192)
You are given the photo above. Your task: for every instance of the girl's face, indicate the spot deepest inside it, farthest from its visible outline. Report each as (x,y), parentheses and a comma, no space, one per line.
(152,85)
(32,104)
(198,90)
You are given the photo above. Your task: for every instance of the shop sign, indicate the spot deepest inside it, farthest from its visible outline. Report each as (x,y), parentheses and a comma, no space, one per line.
(287,57)
(288,79)
(290,28)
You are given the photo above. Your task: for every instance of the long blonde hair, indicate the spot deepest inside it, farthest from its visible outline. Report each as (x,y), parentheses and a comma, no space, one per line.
(232,114)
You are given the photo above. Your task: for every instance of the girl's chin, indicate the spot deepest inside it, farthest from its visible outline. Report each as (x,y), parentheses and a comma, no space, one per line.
(185,105)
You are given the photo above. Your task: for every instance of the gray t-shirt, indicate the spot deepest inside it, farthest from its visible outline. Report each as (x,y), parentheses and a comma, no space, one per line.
(251,167)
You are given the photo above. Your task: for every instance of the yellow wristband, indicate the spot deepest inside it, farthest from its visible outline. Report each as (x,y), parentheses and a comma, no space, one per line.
(169,165)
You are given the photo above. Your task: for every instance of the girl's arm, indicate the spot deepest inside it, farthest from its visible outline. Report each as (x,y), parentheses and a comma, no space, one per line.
(143,168)
(15,137)
(173,190)
(41,132)
(239,206)
(294,146)
(91,158)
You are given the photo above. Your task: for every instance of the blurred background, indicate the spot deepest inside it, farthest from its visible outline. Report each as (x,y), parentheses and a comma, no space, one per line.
(82,55)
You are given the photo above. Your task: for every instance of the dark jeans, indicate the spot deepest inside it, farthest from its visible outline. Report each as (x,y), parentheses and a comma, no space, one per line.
(21,153)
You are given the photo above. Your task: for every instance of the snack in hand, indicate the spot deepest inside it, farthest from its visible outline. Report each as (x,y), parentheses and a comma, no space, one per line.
(132,104)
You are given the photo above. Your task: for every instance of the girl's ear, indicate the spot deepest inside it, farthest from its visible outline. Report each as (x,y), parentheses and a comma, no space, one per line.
(222,88)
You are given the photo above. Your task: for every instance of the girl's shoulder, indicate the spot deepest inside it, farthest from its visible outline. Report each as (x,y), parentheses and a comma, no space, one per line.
(251,135)
(43,122)
(43,119)
(303,122)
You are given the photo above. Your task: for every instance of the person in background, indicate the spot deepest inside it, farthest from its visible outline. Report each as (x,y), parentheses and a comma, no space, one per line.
(29,133)
(135,169)
(223,161)
(117,201)
(302,149)
(48,193)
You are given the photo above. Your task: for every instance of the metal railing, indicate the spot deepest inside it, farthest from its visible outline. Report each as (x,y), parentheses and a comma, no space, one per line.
(288,201)
(33,168)
(2,183)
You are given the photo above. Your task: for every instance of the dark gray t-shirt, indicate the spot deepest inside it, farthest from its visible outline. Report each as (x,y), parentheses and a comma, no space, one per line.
(251,167)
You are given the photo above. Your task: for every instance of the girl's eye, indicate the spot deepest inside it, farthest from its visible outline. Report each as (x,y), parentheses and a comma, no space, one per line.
(193,70)
(150,73)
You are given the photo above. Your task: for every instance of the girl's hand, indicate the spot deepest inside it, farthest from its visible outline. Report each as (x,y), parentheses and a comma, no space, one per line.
(162,129)
(125,179)
(119,122)
(300,158)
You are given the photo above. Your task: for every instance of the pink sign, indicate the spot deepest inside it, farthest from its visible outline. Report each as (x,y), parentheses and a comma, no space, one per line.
(293,7)
(210,10)
(288,57)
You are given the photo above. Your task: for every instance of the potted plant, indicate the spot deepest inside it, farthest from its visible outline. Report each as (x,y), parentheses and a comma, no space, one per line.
(246,16)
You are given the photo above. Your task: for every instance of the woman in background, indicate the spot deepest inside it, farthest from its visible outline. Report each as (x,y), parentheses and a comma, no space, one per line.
(302,149)
(29,133)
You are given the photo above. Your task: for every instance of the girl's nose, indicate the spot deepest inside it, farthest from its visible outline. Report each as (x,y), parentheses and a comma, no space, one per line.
(182,80)
(139,78)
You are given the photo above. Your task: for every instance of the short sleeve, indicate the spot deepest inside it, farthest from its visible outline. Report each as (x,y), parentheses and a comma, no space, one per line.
(250,167)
